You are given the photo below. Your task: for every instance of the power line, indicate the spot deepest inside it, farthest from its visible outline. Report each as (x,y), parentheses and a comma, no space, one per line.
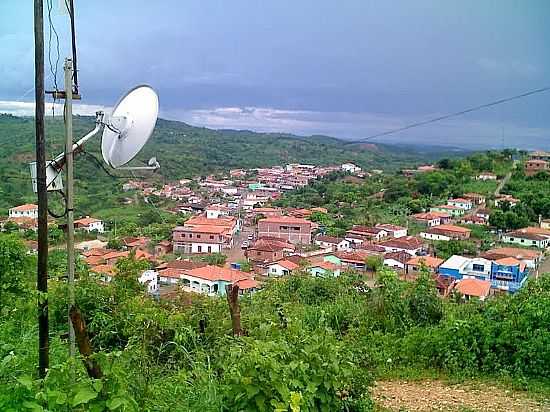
(447,116)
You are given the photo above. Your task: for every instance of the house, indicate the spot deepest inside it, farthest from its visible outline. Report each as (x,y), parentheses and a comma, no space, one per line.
(531,258)
(409,244)
(446,233)
(396,260)
(295,230)
(334,243)
(460,202)
(526,237)
(89,224)
(350,168)
(508,274)
(475,198)
(473,288)
(216,211)
(392,230)
(415,264)
(454,211)
(540,155)
(486,176)
(534,166)
(324,269)
(163,247)
(149,278)
(201,239)
(106,272)
(27,210)
(265,212)
(355,259)
(212,280)
(281,268)
(473,220)
(483,213)
(358,234)
(266,250)
(545,223)
(443,284)
(431,219)
(512,201)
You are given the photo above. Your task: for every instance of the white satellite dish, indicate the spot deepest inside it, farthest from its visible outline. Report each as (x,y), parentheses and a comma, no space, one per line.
(130,126)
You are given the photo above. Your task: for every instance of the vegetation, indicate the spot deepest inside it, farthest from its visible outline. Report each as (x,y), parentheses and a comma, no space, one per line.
(310,343)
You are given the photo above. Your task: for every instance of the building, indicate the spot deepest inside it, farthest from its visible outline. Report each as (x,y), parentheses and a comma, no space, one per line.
(281,268)
(454,211)
(216,211)
(212,280)
(539,155)
(350,168)
(266,250)
(526,237)
(324,269)
(89,224)
(475,198)
(473,220)
(483,213)
(415,264)
(355,259)
(392,230)
(409,244)
(396,260)
(460,202)
(486,176)
(431,219)
(508,274)
(334,243)
(545,223)
(534,166)
(512,201)
(473,288)
(295,230)
(201,239)
(446,233)
(358,234)
(530,257)
(149,278)
(163,247)
(27,210)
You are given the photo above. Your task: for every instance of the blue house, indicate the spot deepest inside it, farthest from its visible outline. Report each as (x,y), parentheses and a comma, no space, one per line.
(508,274)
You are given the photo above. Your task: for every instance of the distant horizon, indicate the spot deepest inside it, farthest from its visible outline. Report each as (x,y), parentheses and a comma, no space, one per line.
(390,142)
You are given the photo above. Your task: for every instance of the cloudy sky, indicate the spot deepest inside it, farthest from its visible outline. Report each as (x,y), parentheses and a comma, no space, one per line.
(348,68)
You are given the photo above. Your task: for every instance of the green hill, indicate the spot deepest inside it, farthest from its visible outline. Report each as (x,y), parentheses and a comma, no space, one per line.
(185,151)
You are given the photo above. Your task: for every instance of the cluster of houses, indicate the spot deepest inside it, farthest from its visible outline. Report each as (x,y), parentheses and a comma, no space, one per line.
(538,162)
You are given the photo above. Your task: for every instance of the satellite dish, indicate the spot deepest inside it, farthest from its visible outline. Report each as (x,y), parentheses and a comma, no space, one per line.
(130,126)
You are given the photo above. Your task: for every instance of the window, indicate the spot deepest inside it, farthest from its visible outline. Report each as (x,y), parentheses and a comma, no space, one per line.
(296,228)
(273,270)
(211,236)
(283,227)
(190,235)
(209,249)
(478,267)
(198,236)
(199,249)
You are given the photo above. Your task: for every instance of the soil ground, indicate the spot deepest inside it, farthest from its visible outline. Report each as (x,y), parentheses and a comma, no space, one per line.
(431,395)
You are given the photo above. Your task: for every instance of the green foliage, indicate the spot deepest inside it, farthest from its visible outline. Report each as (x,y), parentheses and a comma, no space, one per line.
(13,263)
(425,306)
(217,259)
(446,249)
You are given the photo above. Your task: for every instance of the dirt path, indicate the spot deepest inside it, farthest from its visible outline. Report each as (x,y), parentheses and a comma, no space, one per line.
(421,396)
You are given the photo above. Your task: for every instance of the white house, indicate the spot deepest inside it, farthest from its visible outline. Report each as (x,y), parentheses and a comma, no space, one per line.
(26,210)
(462,203)
(89,224)
(216,211)
(150,278)
(351,168)
(396,260)
(487,176)
(393,230)
(324,269)
(335,243)
(525,237)
(281,268)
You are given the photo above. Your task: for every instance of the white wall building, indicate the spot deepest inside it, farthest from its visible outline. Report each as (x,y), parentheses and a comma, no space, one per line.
(27,210)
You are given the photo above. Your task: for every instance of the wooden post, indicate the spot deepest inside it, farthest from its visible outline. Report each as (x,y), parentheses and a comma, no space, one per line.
(42,265)
(232,292)
(83,342)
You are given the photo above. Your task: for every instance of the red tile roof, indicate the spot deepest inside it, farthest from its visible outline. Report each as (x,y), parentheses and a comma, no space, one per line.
(286,219)
(429,261)
(215,273)
(474,287)
(24,208)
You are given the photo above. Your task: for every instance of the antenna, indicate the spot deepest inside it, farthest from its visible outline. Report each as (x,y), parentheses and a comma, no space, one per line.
(131,125)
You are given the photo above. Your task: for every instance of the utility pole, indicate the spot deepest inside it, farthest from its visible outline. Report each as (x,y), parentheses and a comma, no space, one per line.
(68,68)
(42,265)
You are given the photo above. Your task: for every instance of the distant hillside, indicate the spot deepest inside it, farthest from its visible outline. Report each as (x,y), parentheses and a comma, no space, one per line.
(186,151)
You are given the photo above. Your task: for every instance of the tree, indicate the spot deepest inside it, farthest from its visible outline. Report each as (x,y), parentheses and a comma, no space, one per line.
(13,262)
(217,259)
(374,263)
(425,307)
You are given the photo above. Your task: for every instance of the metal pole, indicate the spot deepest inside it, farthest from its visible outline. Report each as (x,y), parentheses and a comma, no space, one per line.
(69,192)
(42,264)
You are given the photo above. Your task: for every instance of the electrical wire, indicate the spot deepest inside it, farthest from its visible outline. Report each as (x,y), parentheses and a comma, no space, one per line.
(447,116)
(51,29)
